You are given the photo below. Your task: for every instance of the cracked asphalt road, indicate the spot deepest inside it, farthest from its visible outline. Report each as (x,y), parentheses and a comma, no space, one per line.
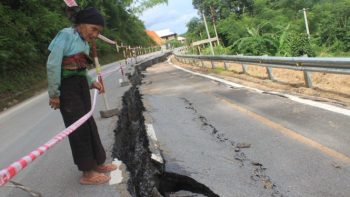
(235,141)
(295,149)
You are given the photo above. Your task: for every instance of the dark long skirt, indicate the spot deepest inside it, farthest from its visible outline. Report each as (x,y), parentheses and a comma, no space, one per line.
(85,142)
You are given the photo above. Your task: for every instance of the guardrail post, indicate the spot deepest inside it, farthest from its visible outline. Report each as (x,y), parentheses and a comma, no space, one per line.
(244,68)
(196,62)
(225,66)
(269,73)
(308,79)
(202,63)
(212,64)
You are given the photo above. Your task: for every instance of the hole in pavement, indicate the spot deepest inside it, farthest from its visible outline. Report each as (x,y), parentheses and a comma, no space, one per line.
(172,182)
(147,177)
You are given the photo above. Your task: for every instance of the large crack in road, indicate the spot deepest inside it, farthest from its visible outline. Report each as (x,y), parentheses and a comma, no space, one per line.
(147,176)
(258,170)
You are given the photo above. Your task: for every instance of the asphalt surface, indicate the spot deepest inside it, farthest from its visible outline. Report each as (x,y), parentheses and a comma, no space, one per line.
(32,123)
(295,149)
(235,141)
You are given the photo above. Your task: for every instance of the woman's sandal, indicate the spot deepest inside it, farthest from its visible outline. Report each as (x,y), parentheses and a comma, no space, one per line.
(105,168)
(94,179)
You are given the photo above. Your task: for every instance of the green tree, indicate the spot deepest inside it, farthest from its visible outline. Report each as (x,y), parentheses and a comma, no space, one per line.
(143,5)
(223,8)
(28,26)
(328,24)
(300,45)
(332,21)
(195,31)
(256,43)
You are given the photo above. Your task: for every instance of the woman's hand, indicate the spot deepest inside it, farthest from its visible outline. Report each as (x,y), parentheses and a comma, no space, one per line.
(54,103)
(97,85)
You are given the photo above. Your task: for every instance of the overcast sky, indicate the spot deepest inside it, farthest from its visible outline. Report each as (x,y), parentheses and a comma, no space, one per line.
(174,16)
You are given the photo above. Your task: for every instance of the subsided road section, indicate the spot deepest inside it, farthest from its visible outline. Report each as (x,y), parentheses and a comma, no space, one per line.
(215,140)
(234,140)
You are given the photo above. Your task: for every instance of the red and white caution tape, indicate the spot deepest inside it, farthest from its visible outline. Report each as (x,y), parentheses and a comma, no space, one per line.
(13,169)
(71,3)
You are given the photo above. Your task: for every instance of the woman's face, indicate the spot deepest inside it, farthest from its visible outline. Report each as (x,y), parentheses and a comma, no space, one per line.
(89,31)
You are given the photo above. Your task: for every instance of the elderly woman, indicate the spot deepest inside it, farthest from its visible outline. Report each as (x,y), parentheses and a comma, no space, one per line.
(68,87)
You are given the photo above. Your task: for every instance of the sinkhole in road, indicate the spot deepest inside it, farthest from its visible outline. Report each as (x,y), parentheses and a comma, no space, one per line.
(147,177)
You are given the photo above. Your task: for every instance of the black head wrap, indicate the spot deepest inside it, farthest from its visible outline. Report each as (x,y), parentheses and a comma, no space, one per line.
(89,16)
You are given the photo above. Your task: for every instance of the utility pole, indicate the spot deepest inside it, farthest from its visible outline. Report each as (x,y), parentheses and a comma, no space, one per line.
(206,28)
(213,18)
(306,23)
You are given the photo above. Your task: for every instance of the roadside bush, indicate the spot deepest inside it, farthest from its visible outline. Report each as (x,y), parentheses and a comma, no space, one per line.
(299,45)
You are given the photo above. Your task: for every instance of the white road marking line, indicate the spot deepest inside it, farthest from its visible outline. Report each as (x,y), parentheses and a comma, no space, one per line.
(116,175)
(157,157)
(150,132)
(15,108)
(320,105)
(44,94)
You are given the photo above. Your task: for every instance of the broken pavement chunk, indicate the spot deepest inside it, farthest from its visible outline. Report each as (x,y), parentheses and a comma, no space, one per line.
(256,163)
(243,145)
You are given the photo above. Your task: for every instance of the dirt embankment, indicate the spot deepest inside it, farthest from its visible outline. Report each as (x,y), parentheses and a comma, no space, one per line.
(333,88)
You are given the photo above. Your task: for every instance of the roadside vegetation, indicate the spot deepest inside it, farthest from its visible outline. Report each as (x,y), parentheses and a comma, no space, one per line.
(274,27)
(27,28)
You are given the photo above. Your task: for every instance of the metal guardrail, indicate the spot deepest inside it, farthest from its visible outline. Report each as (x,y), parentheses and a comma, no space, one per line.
(305,64)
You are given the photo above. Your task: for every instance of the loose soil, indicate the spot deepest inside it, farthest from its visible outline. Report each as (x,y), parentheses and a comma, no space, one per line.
(332,88)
